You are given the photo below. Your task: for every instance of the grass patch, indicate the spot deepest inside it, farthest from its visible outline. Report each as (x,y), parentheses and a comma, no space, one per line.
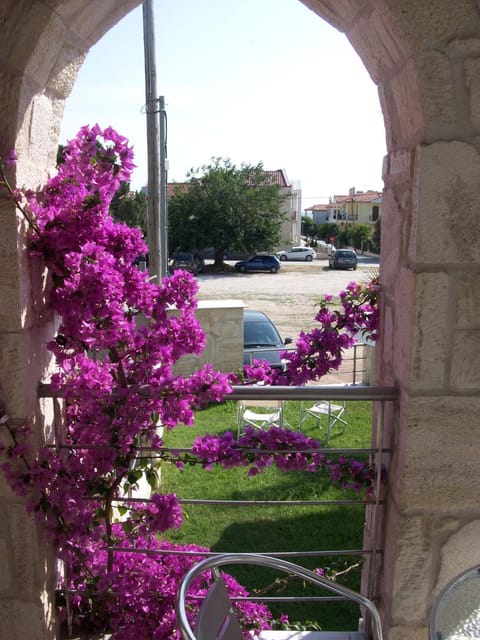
(264,528)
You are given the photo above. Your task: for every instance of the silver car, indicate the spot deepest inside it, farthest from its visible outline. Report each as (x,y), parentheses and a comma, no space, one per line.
(297,253)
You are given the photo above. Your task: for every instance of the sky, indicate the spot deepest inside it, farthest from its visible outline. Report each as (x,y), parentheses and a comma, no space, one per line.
(253,81)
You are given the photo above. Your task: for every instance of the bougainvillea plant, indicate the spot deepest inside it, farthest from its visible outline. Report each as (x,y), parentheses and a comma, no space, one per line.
(115,350)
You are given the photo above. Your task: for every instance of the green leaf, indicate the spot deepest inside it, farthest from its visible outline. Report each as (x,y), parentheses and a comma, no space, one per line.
(134,476)
(152,477)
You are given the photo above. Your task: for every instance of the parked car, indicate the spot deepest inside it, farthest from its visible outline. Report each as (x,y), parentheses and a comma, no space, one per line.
(261,339)
(141,261)
(190,261)
(343,259)
(297,253)
(260,262)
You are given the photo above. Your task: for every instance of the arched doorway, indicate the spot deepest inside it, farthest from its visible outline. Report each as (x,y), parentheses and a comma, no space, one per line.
(425,62)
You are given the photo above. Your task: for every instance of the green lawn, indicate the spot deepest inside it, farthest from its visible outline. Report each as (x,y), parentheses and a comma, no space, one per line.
(264,528)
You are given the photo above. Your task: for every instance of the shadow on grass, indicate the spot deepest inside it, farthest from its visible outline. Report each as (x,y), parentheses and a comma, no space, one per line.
(308,532)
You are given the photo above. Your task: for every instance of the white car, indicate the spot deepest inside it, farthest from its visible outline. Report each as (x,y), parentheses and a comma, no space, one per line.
(297,253)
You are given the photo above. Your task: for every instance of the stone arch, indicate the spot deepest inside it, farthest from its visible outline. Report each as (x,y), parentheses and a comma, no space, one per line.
(425,61)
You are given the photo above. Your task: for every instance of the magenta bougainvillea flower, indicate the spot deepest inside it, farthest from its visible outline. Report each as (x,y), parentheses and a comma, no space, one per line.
(117,378)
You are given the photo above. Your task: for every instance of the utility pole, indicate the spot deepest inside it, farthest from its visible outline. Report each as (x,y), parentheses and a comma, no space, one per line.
(156,147)
(163,189)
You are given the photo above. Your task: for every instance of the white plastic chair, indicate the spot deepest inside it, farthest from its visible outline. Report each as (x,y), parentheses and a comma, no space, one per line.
(327,415)
(259,414)
(216,619)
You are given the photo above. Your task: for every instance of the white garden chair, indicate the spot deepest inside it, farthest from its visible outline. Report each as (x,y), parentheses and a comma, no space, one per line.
(259,414)
(327,416)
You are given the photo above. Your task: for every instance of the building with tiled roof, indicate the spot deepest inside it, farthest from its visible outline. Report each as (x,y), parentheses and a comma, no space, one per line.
(361,207)
(292,206)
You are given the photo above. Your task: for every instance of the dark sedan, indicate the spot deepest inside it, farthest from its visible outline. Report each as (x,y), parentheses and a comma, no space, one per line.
(261,340)
(260,262)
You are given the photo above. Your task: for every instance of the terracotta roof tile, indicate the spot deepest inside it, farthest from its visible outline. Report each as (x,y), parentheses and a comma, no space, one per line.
(173,186)
(359,196)
(276,177)
(320,207)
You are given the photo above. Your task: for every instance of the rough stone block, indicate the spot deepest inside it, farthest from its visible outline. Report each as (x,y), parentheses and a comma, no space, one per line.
(20,620)
(438,91)
(406,106)
(472,71)
(440,450)
(10,314)
(432,329)
(425,26)
(12,372)
(398,169)
(401,337)
(376,38)
(26,557)
(413,567)
(48,48)
(448,178)
(465,372)
(5,575)
(468,295)
(408,632)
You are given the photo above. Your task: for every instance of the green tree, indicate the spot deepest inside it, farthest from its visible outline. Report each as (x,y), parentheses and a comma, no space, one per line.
(361,236)
(376,236)
(226,207)
(129,207)
(343,238)
(327,230)
(308,228)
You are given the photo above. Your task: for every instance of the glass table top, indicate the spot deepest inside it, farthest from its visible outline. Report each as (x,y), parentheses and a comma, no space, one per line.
(456,613)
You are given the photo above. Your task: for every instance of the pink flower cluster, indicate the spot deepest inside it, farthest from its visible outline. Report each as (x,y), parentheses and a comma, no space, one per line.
(321,350)
(135,599)
(287,450)
(119,337)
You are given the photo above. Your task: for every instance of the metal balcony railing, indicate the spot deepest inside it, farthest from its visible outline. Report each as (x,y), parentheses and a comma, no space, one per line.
(356,367)
(379,453)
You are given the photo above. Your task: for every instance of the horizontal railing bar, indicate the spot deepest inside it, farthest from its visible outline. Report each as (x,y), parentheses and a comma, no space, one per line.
(259,392)
(273,503)
(161,450)
(313,392)
(258,598)
(276,554)
(288,599)
(330,450)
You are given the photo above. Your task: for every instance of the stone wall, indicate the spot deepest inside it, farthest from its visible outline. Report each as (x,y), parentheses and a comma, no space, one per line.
(222,323)
(424,57)
(42,47)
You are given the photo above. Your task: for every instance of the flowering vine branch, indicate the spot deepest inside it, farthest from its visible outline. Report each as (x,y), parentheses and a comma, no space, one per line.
(115,351)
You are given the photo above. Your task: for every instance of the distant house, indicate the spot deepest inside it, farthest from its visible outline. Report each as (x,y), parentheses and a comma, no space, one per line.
(292,206)
(361,207)
(324,213)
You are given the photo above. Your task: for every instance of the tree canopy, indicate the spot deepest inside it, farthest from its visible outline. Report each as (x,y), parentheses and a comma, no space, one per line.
(361,236)
(129,207)
(226,207)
